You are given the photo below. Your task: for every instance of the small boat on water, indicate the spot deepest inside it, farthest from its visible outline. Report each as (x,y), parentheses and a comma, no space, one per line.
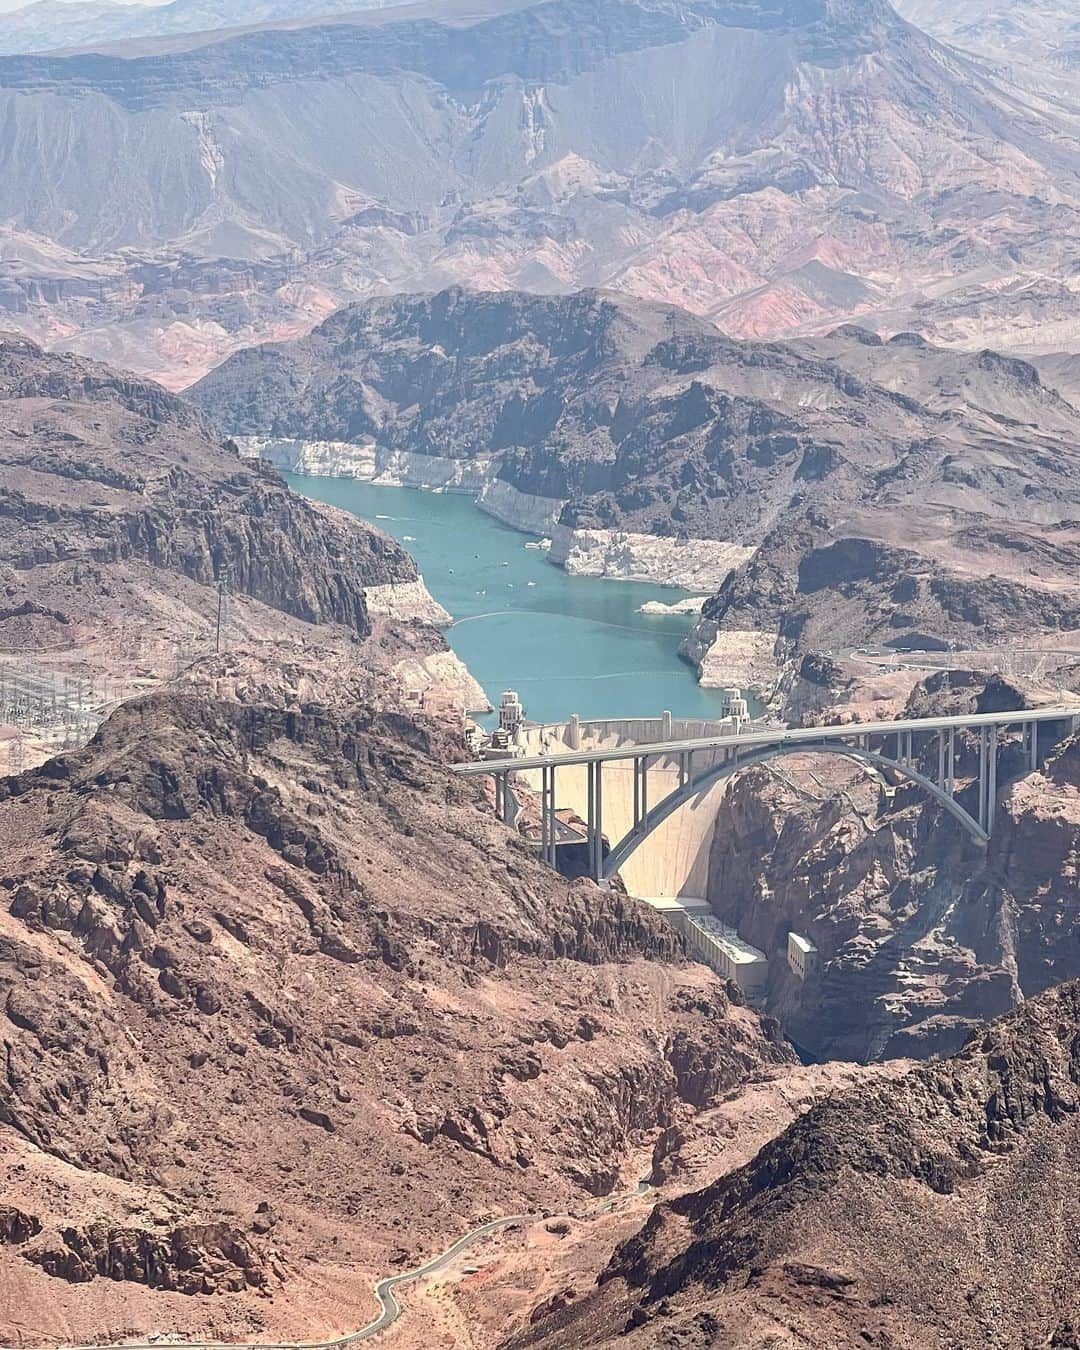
(539,545)
(408,538)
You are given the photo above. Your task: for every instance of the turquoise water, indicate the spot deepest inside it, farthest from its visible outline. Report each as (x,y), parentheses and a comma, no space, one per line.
(566,644)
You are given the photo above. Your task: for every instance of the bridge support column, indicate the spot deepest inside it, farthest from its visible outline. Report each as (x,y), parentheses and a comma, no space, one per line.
(941,758)
(950,759)
(982,778)
(641,790)
(596,820)
(548,822)
(991,786)
(1033,745)
(685,767)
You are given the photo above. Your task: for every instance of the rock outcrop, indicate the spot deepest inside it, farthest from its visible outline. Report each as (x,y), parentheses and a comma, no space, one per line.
(920,934)
(197,1259)
(904,1212)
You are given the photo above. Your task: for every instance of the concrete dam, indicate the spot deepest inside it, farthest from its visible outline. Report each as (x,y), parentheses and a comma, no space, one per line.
(674,862)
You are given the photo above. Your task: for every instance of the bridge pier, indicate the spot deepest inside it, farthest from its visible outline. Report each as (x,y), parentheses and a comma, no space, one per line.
(548,820)
(981,814)
(641,790)
(595,821)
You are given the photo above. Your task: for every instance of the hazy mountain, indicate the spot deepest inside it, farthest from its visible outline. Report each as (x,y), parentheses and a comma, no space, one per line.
(1020,30)
(778,165)
(51,24)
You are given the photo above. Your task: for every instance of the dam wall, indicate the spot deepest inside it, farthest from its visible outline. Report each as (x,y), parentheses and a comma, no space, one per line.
(674,861)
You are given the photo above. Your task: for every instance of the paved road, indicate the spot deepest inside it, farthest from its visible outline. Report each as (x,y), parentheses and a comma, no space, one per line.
(389,1307)
(763,739)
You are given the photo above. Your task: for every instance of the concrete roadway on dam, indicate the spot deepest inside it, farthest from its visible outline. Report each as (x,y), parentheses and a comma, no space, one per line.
(791,736)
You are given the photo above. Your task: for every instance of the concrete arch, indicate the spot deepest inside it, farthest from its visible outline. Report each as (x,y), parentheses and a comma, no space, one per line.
(625,849)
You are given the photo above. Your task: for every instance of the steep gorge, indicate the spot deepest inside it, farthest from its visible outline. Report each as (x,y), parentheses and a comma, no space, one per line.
(831,494)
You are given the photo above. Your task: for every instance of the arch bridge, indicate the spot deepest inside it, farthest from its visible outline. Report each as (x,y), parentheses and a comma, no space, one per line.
(922,751)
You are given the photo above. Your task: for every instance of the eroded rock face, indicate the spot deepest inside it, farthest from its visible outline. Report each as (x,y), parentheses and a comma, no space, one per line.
(17,1227)
(198,1259)
(920,935)
(255,936)
(884,1215)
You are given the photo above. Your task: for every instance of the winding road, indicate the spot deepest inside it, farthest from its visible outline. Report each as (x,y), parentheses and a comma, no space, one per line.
(389,1307)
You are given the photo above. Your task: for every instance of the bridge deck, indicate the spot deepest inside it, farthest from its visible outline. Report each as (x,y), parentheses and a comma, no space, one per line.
(761,739)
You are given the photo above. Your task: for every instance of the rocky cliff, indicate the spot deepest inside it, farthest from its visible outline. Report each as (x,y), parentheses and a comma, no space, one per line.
(907,1213)
(920,935)
(120,472)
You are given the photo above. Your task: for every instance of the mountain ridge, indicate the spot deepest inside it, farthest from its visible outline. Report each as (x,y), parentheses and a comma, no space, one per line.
(838,164)
(838,467)
(897,1213)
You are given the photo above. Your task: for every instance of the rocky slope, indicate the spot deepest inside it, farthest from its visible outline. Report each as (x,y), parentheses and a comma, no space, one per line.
(920,935)
(914,1212)
(779,166)
(255,932)
(877,492)
(122,512)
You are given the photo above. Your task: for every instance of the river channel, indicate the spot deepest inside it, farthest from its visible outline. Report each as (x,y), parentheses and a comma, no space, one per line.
(566,644)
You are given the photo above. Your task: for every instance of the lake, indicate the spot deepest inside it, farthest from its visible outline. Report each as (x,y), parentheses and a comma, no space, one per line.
(566,644)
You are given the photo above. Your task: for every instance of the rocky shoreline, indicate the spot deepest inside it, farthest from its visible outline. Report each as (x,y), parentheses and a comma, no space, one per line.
(619,555)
